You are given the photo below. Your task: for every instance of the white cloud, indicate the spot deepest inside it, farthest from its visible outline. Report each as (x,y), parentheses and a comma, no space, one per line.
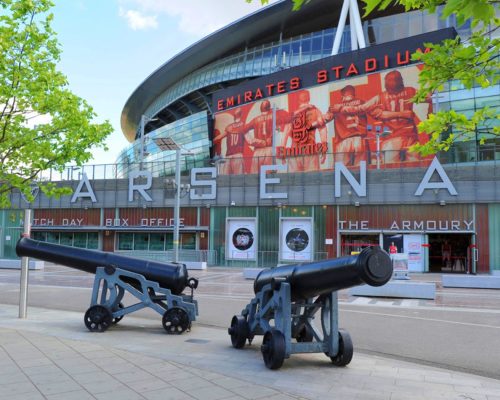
(137,21)
(198,17)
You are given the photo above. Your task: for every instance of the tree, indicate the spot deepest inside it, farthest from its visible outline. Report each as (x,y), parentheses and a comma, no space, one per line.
(42,123)
(471,61)
(297,4)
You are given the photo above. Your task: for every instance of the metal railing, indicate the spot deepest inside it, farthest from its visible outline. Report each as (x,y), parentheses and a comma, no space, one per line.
(266,259)
(208,256)
(386,160)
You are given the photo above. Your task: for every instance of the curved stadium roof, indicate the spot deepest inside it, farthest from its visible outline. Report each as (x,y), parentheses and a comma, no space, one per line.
(263,26)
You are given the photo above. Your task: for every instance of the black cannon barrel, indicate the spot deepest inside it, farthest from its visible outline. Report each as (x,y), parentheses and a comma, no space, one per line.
(372,266)
(170,276)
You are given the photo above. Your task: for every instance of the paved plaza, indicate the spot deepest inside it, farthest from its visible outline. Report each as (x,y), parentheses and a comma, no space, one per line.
(51,355)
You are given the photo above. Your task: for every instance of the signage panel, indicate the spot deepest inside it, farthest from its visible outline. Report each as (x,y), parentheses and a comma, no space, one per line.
(296,239)
(348,108)
(241,239)
(371,59)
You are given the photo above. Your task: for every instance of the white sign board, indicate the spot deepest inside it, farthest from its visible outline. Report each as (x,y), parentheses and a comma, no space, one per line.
(241,239)
(412,246)
(296,239)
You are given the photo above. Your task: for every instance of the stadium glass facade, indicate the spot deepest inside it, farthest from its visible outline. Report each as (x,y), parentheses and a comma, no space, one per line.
(290,52)
(231,218)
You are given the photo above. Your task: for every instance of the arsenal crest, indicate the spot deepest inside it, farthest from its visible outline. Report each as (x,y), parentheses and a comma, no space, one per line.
(299,128)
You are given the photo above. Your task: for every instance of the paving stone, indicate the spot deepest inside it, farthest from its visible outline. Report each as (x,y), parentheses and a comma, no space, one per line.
(122,394)
(148,385)
(76,395)
(78,367)
(16,377)
(41,369)
(58,387)
(167,394)
(34,362)
(190,383)
(52,377)
(229,383)
(252,392)
(87,377)
(133,375)
(105,386)
(24,396)
(13,389)
(210,393)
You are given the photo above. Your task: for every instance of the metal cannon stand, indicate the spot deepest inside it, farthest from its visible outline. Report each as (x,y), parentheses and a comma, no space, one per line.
(292,320)
(110,285)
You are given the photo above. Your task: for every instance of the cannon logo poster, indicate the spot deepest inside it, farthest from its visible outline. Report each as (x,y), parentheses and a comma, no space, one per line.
(343,121)
(241,239)
(296,239)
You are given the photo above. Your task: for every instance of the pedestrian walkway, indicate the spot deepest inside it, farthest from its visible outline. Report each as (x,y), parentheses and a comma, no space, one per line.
(51,355)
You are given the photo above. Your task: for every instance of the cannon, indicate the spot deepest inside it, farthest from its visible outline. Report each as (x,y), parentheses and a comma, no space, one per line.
(156,285)
(288,297)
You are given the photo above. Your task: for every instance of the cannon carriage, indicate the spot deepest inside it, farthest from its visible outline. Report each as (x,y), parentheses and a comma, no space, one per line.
(155,285)
(287,298)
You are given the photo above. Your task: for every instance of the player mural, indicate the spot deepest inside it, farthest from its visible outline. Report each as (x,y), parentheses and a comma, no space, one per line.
(319,126)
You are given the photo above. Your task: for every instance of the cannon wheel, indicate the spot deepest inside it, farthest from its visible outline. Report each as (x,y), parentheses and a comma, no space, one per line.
(118,319)
(305,334)
(344,356)
(238,331)
(273,349)
(98,318)
(176,321)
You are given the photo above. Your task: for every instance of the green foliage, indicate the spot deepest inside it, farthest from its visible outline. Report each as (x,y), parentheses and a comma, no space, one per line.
(297,4)
(42,124)
(472,62)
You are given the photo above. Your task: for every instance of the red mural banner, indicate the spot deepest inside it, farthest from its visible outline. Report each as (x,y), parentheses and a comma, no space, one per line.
(369,118)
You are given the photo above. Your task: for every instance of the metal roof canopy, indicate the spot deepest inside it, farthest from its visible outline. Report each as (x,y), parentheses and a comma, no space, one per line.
(166,144)
(260,27)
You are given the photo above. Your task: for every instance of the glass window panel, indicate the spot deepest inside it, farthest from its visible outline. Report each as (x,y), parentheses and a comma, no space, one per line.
(415,25)
(188,241)
(316,44)
(157,241)
(169,241)
(93,240)
(467,104)
(42,236)
(141,241)
(430,23)
(306,46)
(385,34)
(125,241)
(80,239)
(327,44)
(53,237)
(493,101)
(66,239)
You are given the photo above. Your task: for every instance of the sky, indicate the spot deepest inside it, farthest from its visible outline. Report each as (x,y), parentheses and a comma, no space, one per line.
(110,46)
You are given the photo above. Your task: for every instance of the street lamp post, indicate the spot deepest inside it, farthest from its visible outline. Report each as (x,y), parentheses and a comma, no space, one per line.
(378,134)
(23,291)
(170,144)
(177,202)
(142,128)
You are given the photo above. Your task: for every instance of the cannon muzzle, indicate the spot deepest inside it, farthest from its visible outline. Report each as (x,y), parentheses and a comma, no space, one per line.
(172,276)
(372,266)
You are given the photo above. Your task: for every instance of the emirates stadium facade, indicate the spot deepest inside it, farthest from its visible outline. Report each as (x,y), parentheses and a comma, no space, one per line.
(288,153)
